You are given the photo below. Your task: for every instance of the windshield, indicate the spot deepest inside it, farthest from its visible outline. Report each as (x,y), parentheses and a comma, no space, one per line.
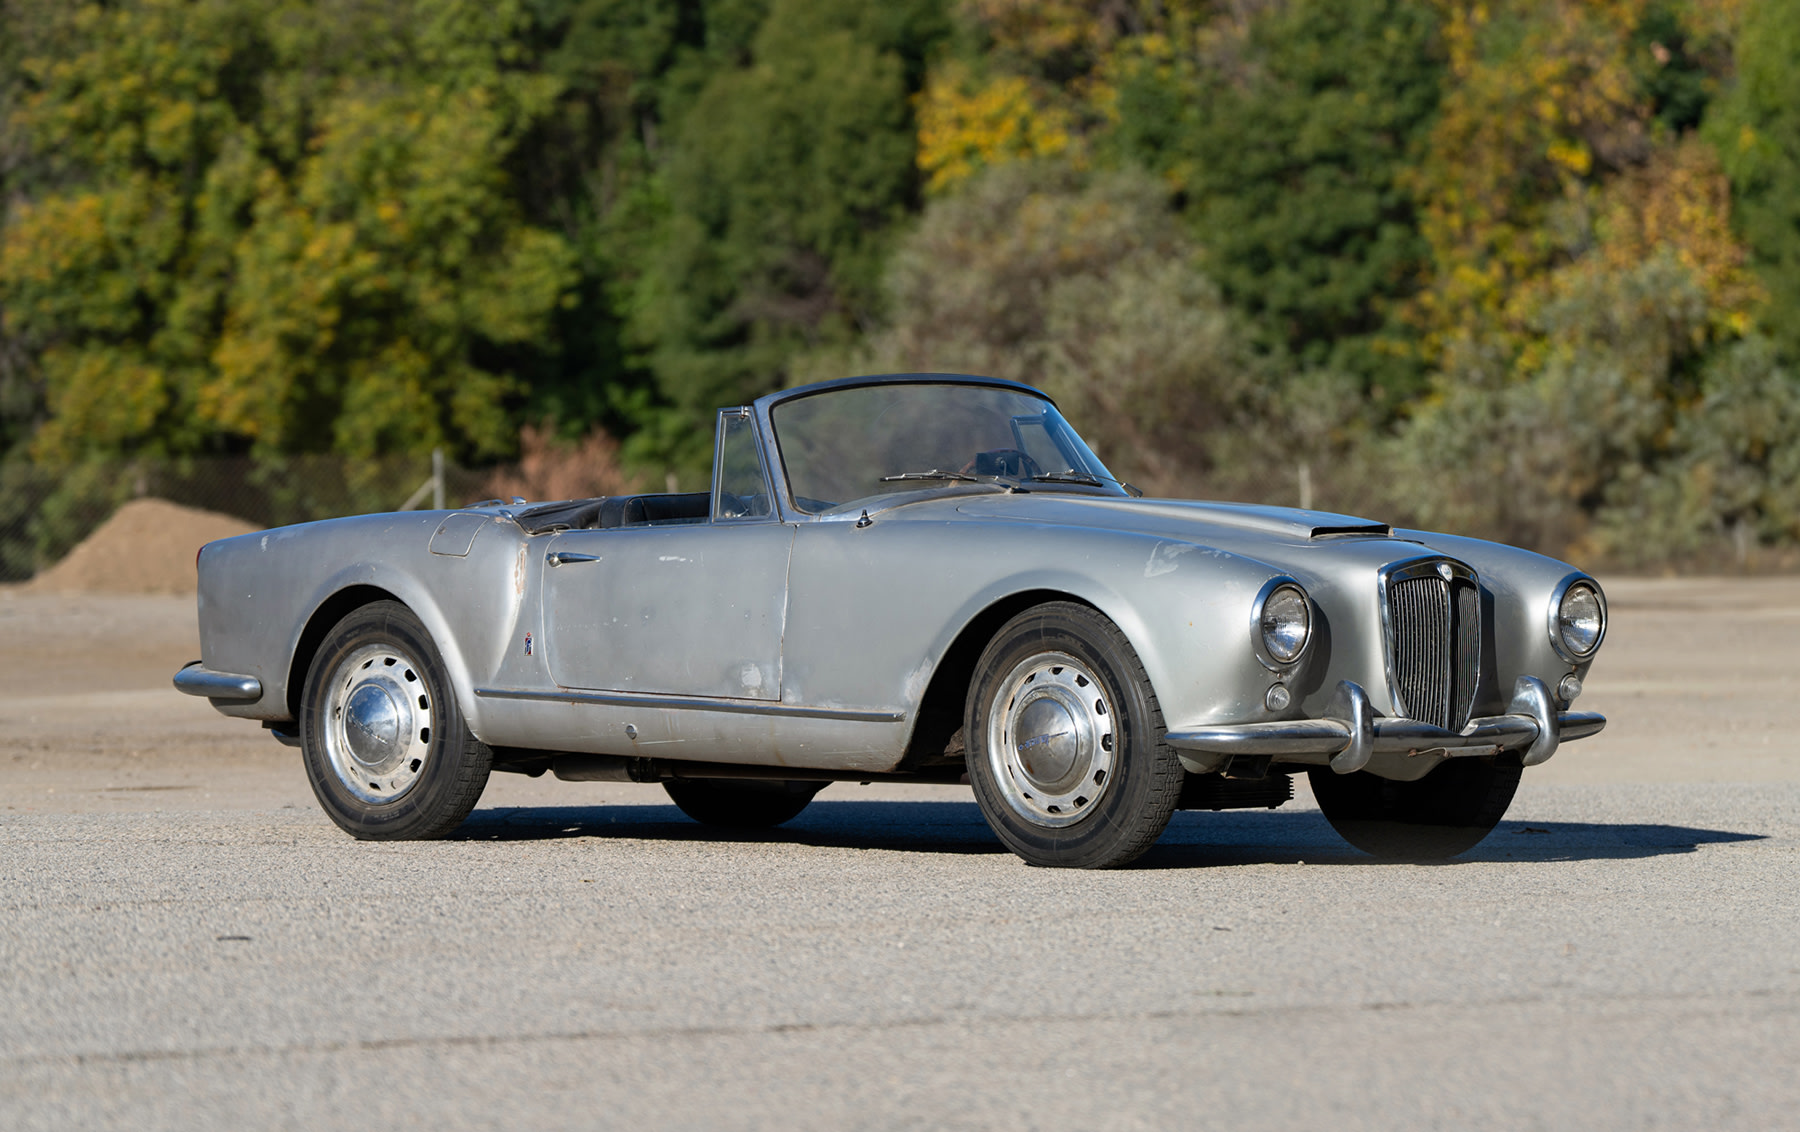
(845,446)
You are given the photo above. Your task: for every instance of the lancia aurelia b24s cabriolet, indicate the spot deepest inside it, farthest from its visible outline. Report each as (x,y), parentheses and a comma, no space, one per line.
(912,578)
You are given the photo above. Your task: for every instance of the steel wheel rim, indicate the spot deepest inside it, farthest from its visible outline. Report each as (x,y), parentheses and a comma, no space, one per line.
(1050,739)
(377,723)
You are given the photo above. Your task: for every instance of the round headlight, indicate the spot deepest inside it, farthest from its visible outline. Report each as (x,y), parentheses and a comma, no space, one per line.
(1580,620)
(1285,623)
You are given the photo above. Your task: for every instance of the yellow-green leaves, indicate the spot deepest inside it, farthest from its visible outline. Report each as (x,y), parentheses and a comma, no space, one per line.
(367,277)
(282,223)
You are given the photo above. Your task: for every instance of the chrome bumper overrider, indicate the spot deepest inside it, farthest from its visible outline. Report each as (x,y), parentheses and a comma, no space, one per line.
(198,680)
(1350,733)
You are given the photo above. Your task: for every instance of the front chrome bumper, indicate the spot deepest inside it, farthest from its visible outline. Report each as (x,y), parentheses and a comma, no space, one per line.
(197,680)
(1350,733)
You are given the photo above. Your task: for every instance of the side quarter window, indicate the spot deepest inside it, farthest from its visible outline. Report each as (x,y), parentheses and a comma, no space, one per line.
(740,489)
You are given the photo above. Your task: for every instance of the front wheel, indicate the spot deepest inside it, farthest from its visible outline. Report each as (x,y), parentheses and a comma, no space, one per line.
(1065,746)
(1447,812)
(386,749)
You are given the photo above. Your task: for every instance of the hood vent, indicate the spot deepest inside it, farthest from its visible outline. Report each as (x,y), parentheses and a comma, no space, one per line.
(1358,530)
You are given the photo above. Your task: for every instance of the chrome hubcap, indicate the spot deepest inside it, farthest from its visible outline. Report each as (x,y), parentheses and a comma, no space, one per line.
(378,715)
(1050,739)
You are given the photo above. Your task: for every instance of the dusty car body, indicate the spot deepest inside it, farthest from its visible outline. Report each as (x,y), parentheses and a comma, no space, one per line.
(824,613)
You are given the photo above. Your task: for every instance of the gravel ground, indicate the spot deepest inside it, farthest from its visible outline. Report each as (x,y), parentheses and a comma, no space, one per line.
(186,942)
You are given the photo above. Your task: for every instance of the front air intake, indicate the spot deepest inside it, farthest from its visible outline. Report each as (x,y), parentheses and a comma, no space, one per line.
(1431,611)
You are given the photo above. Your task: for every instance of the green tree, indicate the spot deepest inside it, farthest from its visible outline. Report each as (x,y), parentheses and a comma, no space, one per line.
(1289,148)
(784,176)
(279,224)
(1756,126)
(1086,286)
(28,24)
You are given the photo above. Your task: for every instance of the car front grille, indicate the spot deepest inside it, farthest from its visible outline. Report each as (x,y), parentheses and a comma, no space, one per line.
(1434,641)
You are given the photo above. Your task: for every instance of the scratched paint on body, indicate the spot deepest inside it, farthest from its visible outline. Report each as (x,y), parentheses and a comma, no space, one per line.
(1163,557)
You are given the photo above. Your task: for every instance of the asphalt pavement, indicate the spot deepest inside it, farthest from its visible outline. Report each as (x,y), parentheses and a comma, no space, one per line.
(1611,957)
(185,941)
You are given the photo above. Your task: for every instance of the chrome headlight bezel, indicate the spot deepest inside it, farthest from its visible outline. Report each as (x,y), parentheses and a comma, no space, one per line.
(1280,592)
(1570,586)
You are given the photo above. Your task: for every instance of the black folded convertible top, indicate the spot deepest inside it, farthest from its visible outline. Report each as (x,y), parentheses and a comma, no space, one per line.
(570,514)
(615,511)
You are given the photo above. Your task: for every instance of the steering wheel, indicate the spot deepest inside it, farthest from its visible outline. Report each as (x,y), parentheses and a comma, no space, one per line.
(1010,462)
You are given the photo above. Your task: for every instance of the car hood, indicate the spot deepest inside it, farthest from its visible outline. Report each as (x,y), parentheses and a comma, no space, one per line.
(1240,528)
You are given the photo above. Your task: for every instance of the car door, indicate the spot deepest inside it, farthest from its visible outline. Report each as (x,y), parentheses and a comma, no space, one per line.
(690,606)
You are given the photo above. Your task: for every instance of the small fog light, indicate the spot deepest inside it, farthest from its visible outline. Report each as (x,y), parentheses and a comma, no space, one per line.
(1278,698)
(1569,688)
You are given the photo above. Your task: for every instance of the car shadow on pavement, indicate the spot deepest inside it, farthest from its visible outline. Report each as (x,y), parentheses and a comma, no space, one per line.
(1258,837)
(912,827)
(1194,839)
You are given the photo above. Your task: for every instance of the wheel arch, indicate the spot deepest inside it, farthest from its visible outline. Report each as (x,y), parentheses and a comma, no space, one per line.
(944,705)
(333,609)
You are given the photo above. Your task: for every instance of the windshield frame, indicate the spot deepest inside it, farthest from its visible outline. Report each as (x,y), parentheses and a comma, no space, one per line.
(763,408)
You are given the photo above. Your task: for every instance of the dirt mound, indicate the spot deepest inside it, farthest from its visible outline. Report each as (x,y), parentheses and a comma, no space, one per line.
(147,547)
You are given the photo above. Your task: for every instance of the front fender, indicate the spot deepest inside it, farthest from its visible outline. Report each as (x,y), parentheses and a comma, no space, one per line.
(261,594)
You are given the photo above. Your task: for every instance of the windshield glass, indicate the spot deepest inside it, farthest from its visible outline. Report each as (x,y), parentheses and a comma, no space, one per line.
(845,446)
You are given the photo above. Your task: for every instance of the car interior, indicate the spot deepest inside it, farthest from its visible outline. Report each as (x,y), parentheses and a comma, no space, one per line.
(617,511)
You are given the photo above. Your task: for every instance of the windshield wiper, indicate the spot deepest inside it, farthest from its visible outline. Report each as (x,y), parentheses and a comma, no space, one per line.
(1087,479)
(933,474)
(961,477)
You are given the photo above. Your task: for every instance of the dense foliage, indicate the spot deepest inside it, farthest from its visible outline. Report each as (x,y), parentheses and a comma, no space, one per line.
(1523,268)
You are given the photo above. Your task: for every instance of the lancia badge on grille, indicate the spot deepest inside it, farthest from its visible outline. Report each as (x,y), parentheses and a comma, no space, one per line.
(1445,571)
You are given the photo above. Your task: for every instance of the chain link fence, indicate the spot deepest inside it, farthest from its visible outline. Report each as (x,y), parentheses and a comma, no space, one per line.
(45,512)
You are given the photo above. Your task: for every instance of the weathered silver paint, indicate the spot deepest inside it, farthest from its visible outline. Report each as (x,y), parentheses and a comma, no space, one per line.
(809,641)
(456,534)
(682,610)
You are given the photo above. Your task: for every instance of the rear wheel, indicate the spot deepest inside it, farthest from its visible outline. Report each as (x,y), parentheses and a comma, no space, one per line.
(1447,812)
(1065,748)
(741,803)
(386,749)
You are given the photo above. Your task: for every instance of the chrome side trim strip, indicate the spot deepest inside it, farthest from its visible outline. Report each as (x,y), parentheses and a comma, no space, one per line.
(197,680)
(692,703)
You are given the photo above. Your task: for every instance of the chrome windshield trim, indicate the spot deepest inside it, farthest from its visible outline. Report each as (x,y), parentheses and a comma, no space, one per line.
(690,703)
(776,398)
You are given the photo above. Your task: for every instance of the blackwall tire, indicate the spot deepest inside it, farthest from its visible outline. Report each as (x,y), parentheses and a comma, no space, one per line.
(1449,811)
(386,748)
(741,803)
(1064,737)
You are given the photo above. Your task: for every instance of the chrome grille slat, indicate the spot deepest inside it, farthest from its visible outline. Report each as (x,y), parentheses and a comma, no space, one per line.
(1468,650)
(1434,642)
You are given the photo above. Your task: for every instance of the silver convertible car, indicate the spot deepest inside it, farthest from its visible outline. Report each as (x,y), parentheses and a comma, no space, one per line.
(914,578)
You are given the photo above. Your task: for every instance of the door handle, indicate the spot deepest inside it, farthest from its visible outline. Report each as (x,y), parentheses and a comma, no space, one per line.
(558,557)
